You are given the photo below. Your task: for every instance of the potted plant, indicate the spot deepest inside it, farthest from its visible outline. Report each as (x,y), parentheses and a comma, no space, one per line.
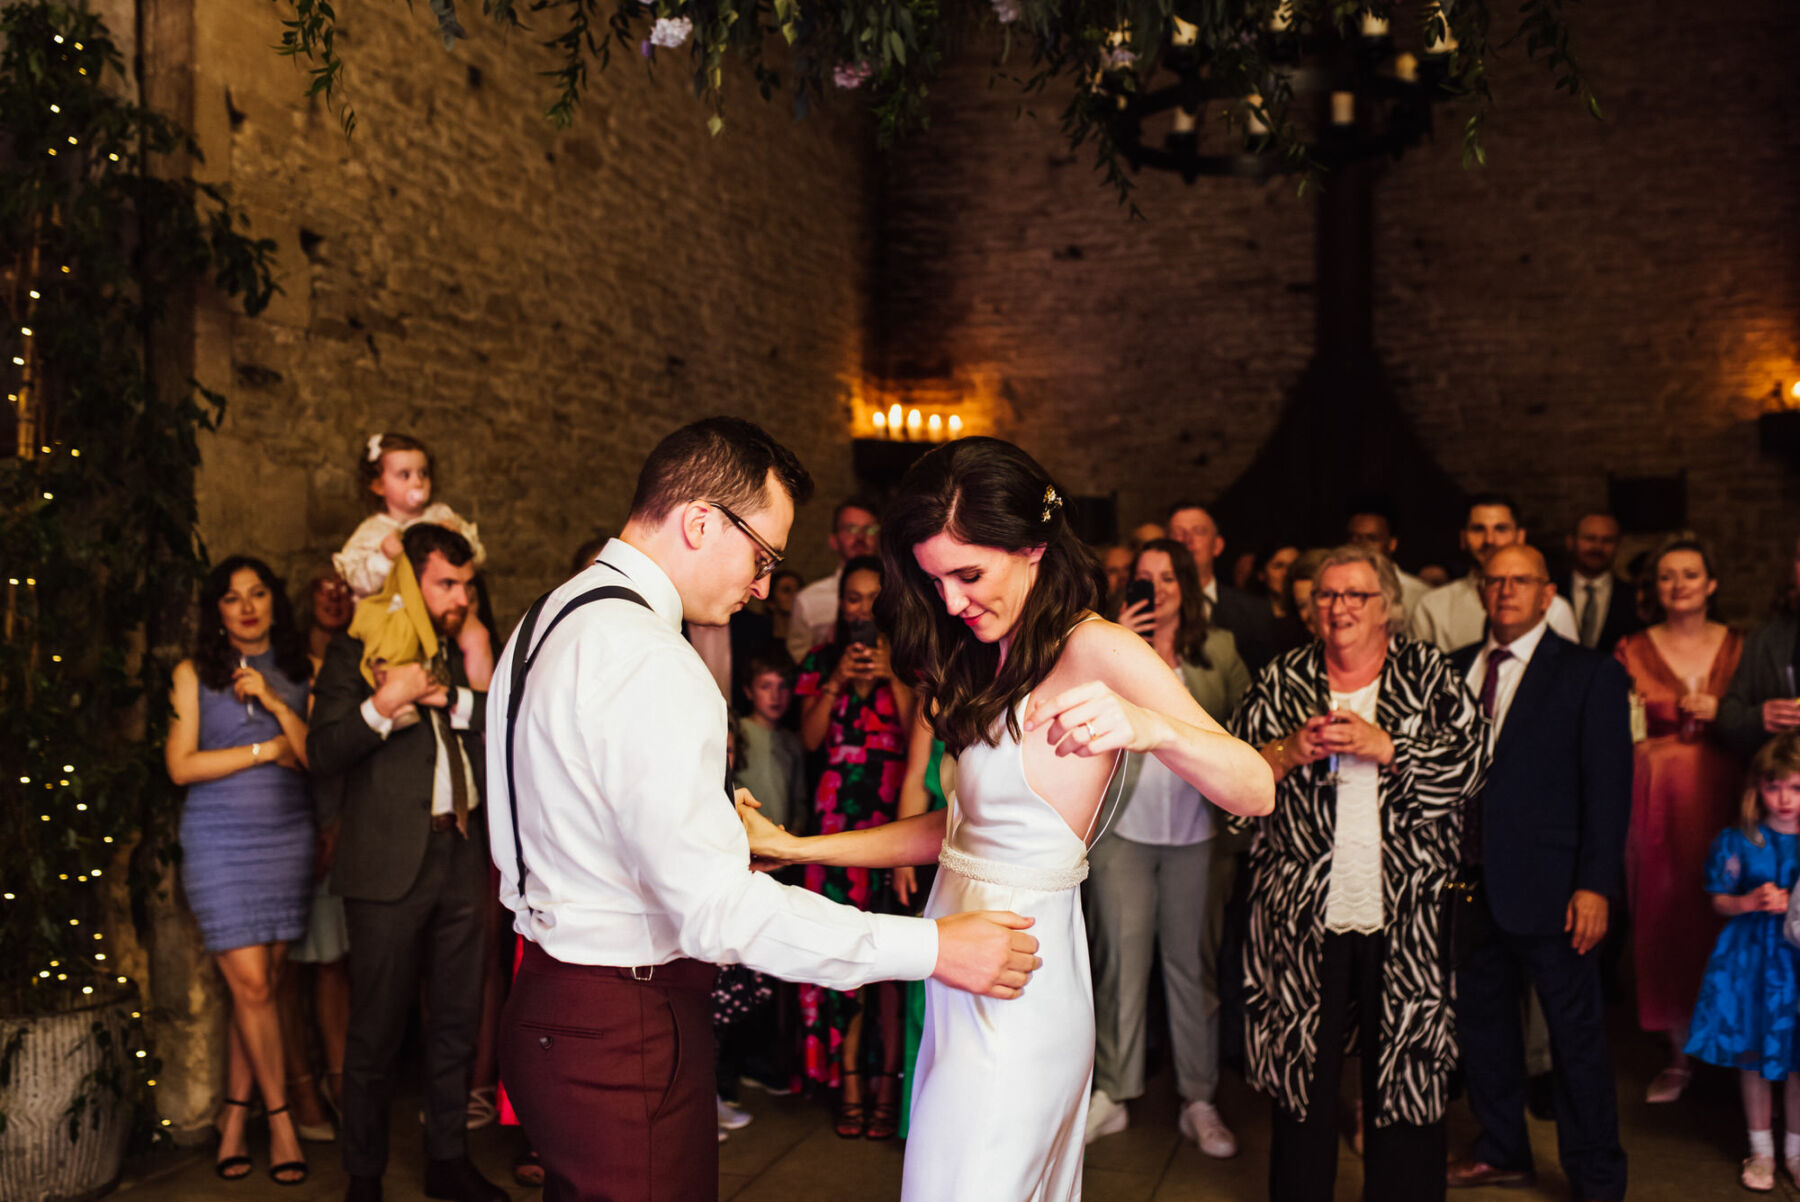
(104,245)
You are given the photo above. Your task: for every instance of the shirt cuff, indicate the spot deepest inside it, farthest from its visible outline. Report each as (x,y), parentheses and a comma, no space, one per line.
(462,708)
(371,715)
(908,946)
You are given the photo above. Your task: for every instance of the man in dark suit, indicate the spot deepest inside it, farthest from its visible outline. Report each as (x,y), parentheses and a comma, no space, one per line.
(1605,606)
(412,867)
(1248,618)
(1545,839)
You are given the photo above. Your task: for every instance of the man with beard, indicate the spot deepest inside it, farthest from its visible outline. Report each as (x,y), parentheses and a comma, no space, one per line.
(411,866)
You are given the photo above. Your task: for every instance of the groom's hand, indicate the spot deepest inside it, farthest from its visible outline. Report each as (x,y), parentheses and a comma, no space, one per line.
(986,951)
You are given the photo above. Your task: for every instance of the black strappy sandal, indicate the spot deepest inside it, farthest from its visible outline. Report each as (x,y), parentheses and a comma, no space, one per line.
(852,1117)
(286,1166)
(232,1168)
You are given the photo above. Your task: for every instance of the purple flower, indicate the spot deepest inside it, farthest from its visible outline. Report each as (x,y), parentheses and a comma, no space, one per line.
(670,32)
(1117,59)
(1006,10)
(851,75)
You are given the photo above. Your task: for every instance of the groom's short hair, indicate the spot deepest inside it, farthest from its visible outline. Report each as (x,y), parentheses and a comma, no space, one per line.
(721,459)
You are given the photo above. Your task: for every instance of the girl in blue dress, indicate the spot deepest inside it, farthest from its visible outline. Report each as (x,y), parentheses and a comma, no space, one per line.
(1746,1013)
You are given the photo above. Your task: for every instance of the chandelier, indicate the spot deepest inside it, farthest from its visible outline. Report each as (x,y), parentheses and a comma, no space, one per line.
(1293,95)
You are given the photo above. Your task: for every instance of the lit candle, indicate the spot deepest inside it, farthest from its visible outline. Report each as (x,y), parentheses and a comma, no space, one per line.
(1374,26)
(955,426)
(1283,16)
(894,420)
(934,427)
(1185,33)
(1441,40)
(1793,395)
(1254,125)
(913,422)
(880,424)
(1343,108)
(1406,68)
(1184,121)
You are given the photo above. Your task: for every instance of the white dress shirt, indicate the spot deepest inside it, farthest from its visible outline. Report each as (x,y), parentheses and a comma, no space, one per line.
(1512,670)
(1412,590)
(1163,810)
(814,615)
(1353,899)
(1452,616)
(633,853)
(460,709)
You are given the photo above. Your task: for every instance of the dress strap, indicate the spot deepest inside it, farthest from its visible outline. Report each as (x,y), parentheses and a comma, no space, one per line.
(1115,774)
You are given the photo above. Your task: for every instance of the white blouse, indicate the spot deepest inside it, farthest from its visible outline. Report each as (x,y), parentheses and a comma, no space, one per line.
(1353,900)
(363,566)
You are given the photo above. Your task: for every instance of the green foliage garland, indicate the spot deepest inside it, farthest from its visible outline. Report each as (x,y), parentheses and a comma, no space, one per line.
(893,48)
(98,554)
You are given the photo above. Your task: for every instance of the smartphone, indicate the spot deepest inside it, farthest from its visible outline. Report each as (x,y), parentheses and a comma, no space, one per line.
(1140,591)
(863,632)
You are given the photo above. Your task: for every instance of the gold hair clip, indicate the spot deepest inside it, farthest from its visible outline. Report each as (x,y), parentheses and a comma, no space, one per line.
(1052,502)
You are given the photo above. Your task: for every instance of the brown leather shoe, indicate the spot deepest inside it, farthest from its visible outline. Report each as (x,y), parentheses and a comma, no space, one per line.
(1464,1173)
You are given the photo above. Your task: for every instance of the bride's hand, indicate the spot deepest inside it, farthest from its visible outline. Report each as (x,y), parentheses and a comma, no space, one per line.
(771,847)
(1091,719)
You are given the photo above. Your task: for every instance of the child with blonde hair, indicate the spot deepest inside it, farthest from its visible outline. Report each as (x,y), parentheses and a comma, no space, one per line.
(395,471)
(1748,997)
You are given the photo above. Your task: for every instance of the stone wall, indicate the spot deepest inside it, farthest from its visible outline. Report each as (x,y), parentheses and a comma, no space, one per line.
(540,306)
(1603,297)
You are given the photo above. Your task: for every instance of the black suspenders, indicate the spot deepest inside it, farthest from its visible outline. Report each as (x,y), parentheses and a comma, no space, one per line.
(523,659)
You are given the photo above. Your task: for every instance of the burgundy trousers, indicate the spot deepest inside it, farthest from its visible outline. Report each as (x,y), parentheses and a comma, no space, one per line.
(613,1078)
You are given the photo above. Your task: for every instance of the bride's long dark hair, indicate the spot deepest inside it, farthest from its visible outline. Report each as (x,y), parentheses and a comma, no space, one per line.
(987,493)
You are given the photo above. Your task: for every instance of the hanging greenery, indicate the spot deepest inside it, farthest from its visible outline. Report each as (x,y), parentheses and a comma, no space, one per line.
(100,237)
(890,50)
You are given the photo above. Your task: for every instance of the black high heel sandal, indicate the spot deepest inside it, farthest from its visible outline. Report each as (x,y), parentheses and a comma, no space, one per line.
(232,1168)
(286,1166)
(852,1118)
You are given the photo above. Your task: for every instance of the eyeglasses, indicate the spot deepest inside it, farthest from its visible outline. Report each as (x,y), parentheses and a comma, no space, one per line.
(1325,598)
(1495,584)
(869,531)
(768,558)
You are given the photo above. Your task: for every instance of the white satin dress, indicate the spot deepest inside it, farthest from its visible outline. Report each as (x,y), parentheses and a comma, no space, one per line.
(1000,1094)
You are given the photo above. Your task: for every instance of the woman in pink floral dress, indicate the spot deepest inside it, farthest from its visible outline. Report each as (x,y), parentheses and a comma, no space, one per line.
(853,708)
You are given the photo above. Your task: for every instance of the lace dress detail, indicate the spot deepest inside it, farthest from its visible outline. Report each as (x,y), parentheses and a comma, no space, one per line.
(1353,902)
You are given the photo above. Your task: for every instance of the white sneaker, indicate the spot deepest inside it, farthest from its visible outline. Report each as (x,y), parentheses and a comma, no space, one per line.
(1201,1123)
(1105,1116)
(732,1116)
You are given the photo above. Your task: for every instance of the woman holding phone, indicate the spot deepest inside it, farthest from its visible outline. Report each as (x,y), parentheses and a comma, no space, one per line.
(854,708)
(1375,744)
(1154,881)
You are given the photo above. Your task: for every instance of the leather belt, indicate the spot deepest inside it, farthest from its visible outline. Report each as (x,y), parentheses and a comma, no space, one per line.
(676,974)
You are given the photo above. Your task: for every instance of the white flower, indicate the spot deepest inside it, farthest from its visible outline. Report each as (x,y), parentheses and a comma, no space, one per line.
(1006,10)
(670,32)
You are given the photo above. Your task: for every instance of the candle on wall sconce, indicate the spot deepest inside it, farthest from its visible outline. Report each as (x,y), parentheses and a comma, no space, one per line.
(1793,396)
(894,418)
(913,424)
(956,426)
(880,420)
(934,428)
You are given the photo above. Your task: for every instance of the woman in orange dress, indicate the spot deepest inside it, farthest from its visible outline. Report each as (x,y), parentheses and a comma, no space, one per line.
(1685,789)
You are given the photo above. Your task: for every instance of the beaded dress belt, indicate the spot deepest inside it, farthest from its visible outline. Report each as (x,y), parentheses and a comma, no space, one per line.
(1012,876)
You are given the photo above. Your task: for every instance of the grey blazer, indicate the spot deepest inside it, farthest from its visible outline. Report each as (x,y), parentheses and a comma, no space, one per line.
(387,783)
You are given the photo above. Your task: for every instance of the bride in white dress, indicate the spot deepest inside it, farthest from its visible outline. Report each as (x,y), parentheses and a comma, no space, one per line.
(989,607)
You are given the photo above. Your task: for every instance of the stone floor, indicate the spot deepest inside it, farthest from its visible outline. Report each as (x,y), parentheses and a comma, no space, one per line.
(1687,1152)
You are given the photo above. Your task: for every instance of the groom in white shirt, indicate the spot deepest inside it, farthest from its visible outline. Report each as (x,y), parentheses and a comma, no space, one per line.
(630,876)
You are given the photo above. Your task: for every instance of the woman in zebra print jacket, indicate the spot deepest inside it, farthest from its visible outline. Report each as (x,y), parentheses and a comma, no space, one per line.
(1375,743)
